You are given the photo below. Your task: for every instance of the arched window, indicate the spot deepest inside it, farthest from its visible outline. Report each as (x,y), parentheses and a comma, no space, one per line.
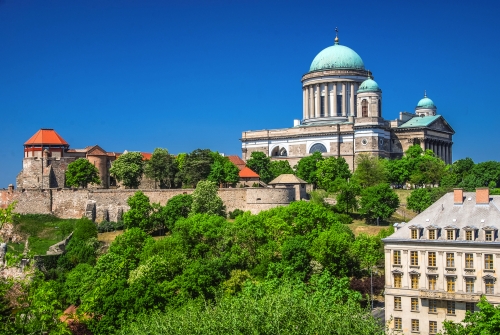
(283,152)
(318,147)
(275,151)
(379,108)
(364,108)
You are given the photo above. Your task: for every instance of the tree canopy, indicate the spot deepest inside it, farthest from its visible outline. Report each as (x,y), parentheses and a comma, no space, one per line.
(81,172)
(307,167)
(128,168)
(162,168)
(379,201)
(261,164)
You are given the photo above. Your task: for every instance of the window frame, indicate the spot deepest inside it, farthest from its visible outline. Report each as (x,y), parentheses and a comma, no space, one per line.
(451,284)
(398,306)
(450,235)
(414,305)
(489,286)
(414,258)
(469,261)
(432,282)
(469,285)
(433,306)
(432,234)
(433,327)
(415,325)
(488,235)
(431,258)
(398,323)
(469,235)
(398,278)
(396,257)
(450,308)
(488,262)
(450,259)
(468,306)
(414,281)
(414,234)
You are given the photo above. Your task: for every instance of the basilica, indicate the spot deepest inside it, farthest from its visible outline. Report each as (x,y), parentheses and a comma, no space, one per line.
(342,117)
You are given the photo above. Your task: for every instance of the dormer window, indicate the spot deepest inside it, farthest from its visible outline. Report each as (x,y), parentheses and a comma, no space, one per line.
(489,233)
(450,234)
(414,234)
(470,233)
(432,234)
(415,231)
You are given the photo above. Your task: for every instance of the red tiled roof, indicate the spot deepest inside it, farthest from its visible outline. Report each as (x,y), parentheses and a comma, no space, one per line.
(240,163)
(246,172)
(146,156)
(46,136)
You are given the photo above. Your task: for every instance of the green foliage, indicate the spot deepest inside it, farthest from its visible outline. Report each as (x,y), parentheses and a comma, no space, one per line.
(128,168)
(81,172)
(370,171)
(484,321)
(347,195)
(139,213)
(177,207)
(223,171)
(106,226)
(7,215)
(65,228)
(82,248)
(78,282)
(483,174)
(162,168)
(308,166)
(329,170)
(379,201)
(331,249)
(237,212)
(261,164)
(367,250)
(419,200)
(195,166)
(280,167)
(84,230)
(296,309)
(206,200)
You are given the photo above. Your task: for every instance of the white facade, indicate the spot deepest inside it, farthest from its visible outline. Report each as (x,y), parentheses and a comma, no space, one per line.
(440,263)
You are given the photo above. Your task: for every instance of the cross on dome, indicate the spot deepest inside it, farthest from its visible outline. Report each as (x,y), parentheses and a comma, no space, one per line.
(336,35)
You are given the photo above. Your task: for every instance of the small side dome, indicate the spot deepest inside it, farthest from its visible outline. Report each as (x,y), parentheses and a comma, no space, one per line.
(426,103)
(369,85)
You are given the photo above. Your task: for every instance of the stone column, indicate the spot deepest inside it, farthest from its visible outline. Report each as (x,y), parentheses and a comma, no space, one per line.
(344,99)
(351,109)
(460,283)
(451,153)
(311,102)
(304,108)
(327,102)
(334,112)
(318,97)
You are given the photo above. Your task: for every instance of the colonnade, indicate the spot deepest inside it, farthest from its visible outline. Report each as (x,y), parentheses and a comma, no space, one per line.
(312,99)
(442,149)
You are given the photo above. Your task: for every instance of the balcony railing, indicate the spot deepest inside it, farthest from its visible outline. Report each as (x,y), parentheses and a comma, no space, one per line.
(428,294)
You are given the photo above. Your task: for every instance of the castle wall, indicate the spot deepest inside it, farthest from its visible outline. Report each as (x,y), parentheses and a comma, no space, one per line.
(110,204)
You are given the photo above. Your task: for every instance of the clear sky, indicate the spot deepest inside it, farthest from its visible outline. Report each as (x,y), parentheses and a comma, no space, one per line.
(181,75)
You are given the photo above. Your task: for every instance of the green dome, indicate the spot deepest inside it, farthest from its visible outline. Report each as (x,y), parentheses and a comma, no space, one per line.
(337,57)
(426,103)
(369,85)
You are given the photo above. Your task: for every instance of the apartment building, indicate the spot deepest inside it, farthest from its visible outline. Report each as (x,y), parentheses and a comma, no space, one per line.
(439,264)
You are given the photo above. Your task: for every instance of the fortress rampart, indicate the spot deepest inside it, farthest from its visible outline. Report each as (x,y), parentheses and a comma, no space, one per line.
(109,204)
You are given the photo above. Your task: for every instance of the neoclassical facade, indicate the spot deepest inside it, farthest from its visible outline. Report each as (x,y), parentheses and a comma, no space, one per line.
(342,116)
(438,265)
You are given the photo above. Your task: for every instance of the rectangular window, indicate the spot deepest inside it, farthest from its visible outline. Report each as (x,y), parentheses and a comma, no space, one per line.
(469,261)
(432,306)
(489,235)
(397,303)
(450,284)
(432,283)
(339,105)
(398,324)
(414,234)
(396,257)
(469,307)
(450,307)
(414,304)
(414,325)
(397,280)
(488,262)
(450,260)
(468,235)
(414,258)
(322,107)
(432,258)
(414,282)
(490,286)
(433,327)
(432,234)
(469,285)
(450,234)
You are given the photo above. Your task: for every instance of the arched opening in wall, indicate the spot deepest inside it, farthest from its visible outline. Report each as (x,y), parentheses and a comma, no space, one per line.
(275,151)
(317,147)
(364,108)
(283,152)
(379,108)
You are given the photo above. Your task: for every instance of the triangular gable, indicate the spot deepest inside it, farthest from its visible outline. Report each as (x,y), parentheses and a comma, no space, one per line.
(440,124)
(96,151)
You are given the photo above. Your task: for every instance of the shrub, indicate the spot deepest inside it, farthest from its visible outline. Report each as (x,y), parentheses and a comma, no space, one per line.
(235,213)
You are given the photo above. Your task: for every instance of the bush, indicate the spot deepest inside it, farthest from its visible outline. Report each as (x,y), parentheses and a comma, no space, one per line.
(106,226)
(235,213)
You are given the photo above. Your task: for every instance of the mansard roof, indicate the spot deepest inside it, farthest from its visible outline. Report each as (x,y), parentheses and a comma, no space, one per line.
(445,214)
(46,137)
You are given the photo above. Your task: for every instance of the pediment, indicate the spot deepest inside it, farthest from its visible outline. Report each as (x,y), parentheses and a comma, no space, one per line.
(96,151)
(440,124)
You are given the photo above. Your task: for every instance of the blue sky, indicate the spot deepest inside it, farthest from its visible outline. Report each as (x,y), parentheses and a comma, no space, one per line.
(136,75)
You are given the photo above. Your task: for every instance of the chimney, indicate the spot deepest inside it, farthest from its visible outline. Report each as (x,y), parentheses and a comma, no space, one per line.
(482,195)
(11,188)
(458,196)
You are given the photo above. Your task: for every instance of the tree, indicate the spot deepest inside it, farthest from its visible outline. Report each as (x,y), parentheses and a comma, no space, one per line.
(231,172)
(280,167)
(7,215)
(128,168)
(427,169)
(177,207)
(307,167)
(484,321)
(419,200)
(206,200)
(331,249)
(482,175)
(379,201)
(162,168)
(370,171)
(139,212)
(329,170)
(261,164)
(223,171)
(398,172)
(196,167)
(347,195)
(81,172)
